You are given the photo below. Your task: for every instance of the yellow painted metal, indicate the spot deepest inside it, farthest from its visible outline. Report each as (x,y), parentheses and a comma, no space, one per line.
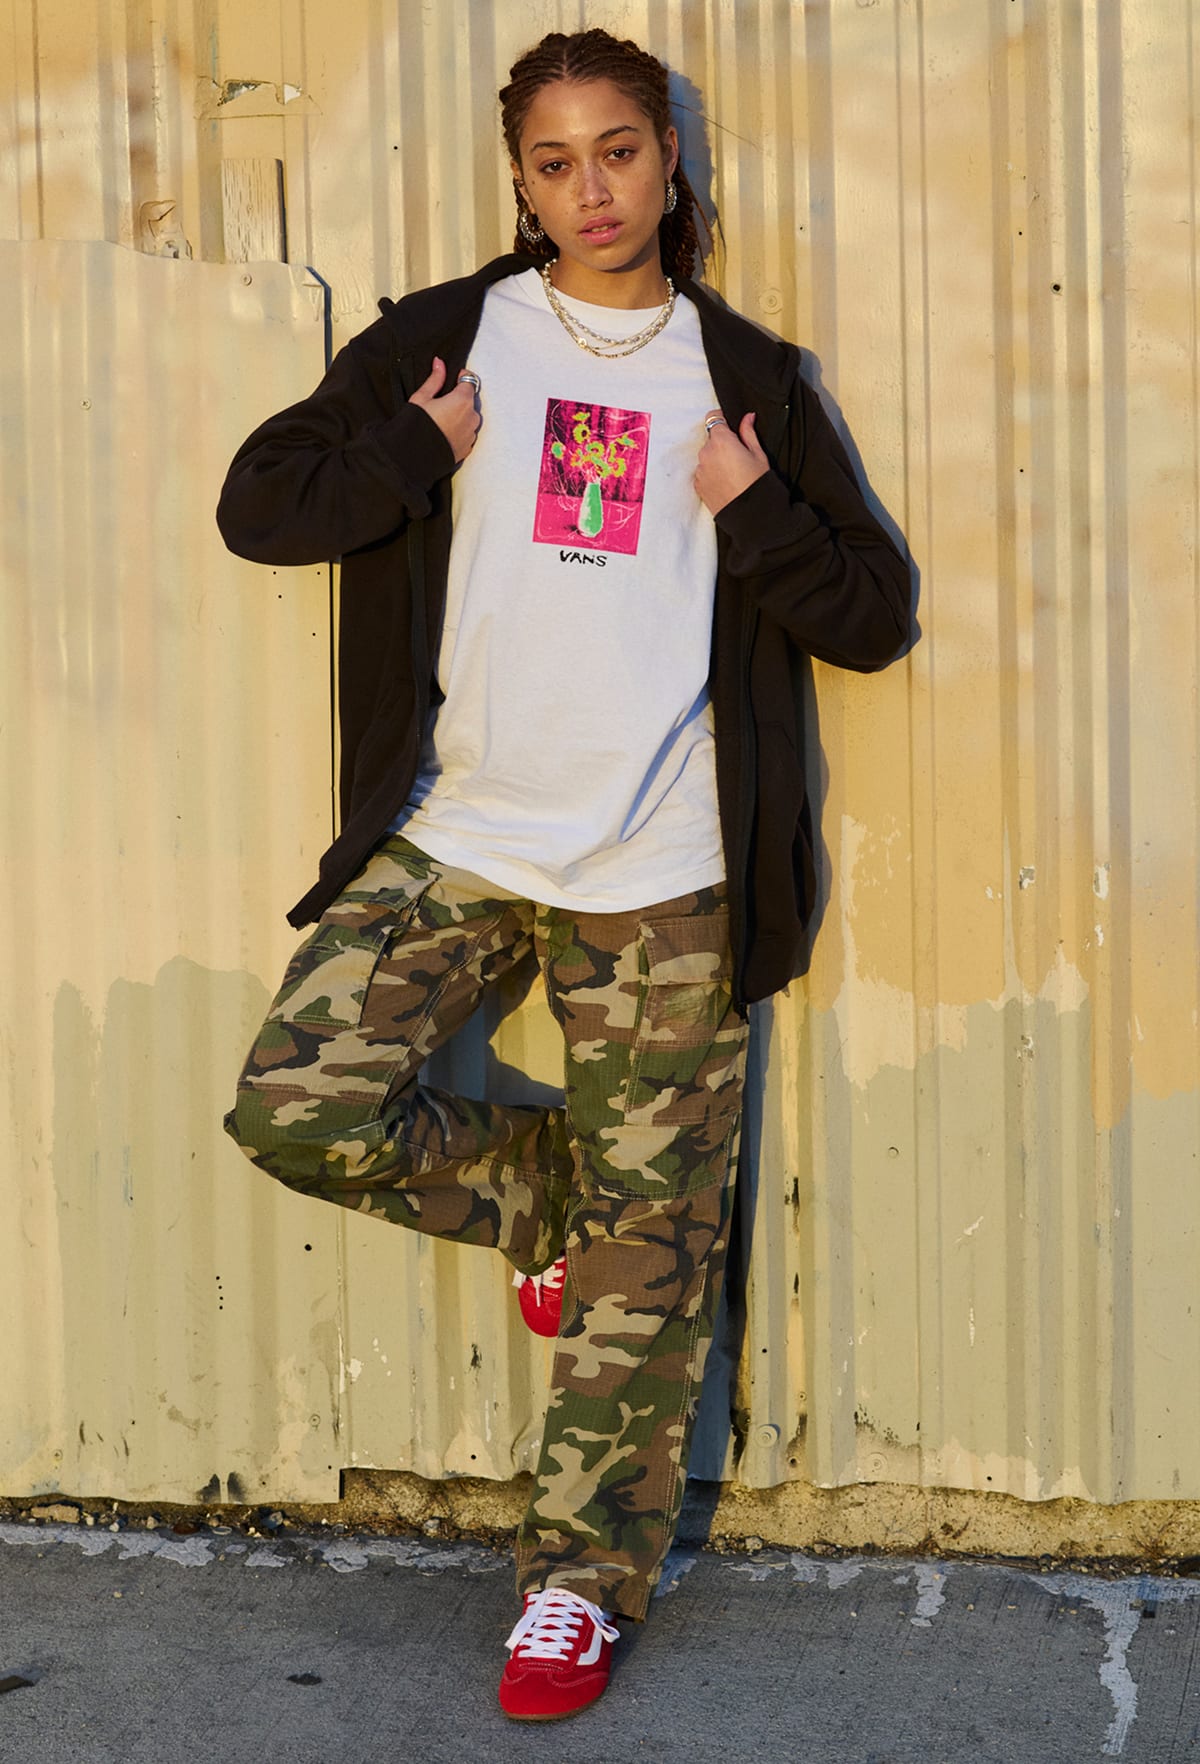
(974,1126)
(167,716)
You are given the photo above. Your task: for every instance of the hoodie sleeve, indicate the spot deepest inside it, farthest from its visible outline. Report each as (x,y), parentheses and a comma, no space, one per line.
(338,470)
(813,555)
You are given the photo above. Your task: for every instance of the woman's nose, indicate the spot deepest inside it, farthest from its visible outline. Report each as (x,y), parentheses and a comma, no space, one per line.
(592,187)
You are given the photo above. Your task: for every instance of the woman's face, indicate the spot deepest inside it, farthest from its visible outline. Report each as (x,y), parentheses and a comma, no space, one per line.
(595,173)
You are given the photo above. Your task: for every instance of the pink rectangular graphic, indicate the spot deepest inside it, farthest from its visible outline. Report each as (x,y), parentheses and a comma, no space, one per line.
(593,477)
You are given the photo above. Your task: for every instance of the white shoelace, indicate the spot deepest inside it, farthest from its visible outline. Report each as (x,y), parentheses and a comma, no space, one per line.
(551,1622)
(550,1278)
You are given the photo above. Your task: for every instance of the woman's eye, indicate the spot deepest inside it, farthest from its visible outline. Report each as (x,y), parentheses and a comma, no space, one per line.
(551,167)
(622,153)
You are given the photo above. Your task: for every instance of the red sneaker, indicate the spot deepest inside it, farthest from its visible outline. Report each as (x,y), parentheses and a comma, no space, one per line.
(561,1657)
(540,1297)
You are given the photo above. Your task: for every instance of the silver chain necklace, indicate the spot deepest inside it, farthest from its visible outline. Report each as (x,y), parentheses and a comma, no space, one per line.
(607,348)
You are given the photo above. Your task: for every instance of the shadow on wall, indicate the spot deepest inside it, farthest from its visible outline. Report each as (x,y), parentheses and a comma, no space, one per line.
(693,125)
(724,1415)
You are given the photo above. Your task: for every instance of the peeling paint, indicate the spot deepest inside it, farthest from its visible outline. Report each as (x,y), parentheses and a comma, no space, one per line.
(953,1466)
(266,1556)
(344,1555)
(758,1567)
(430,1558)
(677,1564)
(1063,985)
(345,1558)
(1119,1606)
(881,1024)
(1120,1626)
(238,88)
(234,100)
(1120,1609)
(931,1594)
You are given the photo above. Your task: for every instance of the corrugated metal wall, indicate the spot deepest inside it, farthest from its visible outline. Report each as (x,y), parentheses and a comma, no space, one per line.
(975,1125)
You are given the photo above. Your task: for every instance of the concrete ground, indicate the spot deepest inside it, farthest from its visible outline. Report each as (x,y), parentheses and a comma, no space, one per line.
(143,1647)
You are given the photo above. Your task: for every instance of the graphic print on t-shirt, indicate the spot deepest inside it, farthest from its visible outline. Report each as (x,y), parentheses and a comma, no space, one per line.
(593,476)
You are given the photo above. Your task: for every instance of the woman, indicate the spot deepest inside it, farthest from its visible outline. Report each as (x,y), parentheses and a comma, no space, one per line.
(568,725)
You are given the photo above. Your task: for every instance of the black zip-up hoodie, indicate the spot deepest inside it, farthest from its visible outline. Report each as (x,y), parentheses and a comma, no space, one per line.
(803,566)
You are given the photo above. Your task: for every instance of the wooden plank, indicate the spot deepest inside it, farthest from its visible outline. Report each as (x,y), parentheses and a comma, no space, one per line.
(252,204)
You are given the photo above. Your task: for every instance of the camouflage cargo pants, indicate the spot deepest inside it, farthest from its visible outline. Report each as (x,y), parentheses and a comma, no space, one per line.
(633,1177)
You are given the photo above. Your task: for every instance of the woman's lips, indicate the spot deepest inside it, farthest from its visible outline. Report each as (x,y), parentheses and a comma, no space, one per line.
(601,231)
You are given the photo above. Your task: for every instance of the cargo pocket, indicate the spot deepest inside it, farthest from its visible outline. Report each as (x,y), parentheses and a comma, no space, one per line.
(327,980)
(688,1059)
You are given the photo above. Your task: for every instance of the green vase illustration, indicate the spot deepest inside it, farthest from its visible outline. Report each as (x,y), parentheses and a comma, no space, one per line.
(597,460)
(591,511)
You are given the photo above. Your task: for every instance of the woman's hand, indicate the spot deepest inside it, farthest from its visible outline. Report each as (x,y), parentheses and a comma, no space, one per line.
(456,412)
(728,463)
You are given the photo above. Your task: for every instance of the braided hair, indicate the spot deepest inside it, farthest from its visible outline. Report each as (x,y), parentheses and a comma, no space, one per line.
(595,55)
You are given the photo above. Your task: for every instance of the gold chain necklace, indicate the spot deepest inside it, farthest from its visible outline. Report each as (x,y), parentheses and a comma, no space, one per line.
(607,348)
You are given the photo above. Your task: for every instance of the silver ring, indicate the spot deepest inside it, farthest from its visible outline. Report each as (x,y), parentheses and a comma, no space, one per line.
(467,378)
(711,423)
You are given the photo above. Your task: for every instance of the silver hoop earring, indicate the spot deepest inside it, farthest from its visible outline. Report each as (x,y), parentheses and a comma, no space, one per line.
(530,227)
(672,198)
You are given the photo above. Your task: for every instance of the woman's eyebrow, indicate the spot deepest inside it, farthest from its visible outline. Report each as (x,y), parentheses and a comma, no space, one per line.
(620,129)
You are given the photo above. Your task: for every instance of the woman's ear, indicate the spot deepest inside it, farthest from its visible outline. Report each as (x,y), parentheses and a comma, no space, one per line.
(671,152)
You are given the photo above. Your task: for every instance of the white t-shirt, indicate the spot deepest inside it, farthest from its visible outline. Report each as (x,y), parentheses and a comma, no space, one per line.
(572,760)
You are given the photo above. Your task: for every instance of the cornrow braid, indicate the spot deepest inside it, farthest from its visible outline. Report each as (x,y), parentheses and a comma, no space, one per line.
(595,55)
